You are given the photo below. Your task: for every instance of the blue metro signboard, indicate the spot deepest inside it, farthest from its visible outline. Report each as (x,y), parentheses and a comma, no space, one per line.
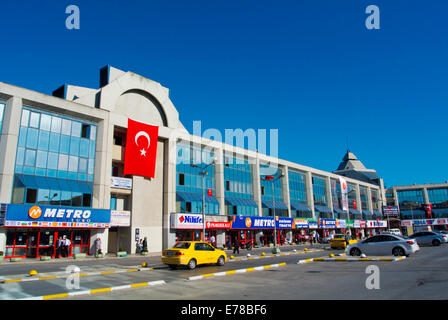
(25,215)
(247,222)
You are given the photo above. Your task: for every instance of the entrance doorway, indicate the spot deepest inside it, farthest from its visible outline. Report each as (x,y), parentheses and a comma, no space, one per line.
(37,243)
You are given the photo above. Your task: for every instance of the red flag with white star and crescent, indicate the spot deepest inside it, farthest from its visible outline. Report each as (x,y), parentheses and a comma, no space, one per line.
(141,149)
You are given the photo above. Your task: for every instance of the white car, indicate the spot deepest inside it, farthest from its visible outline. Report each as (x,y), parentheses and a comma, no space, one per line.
(383,244)
(395,231)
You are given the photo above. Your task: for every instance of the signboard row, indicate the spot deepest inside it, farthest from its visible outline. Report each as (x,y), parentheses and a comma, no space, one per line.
(194,221)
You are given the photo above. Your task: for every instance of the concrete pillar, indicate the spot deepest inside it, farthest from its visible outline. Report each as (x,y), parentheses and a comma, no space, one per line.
(219,180)
(285,188)
(220,238)
(369,200)
(103,164)
(3,240)
(425,196)
(257,184)
(309,192)
(358,198)
(103,234)
(8,146)
(397,202)
(328,195)
(169,190)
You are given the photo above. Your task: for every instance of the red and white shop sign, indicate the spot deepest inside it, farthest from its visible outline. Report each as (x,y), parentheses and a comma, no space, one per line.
(217,225)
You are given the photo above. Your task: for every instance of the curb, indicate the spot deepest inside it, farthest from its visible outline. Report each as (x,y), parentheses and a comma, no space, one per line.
(73,274)
(94,291)
(276,255)
(350,259)
(225,273)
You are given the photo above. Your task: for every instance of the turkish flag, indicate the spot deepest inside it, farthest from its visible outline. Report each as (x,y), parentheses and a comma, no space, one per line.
(141,149)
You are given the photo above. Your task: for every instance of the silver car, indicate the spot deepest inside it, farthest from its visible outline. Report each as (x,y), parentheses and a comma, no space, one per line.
(428,238)
(383,244)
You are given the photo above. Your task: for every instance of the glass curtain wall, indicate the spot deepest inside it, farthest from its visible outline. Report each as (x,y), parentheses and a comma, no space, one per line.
(189,188)
(55,160)
(297,194)
(411,204)
(268,194)
(238,187)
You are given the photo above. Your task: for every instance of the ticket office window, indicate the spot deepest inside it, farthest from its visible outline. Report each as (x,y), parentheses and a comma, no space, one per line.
(80,243)
(16,244)
(46,243)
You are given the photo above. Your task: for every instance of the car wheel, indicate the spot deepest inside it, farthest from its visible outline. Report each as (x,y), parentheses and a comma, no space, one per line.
(435,242)
(355,252)
(191,264)
(397,251)
(221,261)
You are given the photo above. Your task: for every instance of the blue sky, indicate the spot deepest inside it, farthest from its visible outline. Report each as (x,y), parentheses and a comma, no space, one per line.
(309,68)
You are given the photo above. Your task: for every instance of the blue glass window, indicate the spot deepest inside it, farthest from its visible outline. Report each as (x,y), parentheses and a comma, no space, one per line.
(189,181)
(238,187)
(319,191)
(51,146)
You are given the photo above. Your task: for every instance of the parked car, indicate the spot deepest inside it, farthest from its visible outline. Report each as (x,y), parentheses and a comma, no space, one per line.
(193,253)
(428,238)
(394,231)
(443,233)
(383,244)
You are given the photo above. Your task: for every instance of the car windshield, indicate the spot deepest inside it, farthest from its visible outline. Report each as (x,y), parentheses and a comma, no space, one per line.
(182,245)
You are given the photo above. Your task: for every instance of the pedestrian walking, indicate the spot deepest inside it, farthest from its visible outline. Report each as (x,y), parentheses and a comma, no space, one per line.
(236,246)
(212,241)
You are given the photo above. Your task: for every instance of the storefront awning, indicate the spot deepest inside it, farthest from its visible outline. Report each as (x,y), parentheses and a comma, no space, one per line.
(322,209)
(240,202)
(367,214)
(190,196)
(413,213)
(377,214)
(441,212)
(39,182)
(340,211)
(278,204)
(354,211)
(300,207)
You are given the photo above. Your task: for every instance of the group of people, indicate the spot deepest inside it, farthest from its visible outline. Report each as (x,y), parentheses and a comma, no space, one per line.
(62,247)
(142,245)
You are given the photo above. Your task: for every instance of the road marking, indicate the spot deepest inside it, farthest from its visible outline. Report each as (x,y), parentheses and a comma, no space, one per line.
(79,275)
(100,290)
(348,259)
(259,268)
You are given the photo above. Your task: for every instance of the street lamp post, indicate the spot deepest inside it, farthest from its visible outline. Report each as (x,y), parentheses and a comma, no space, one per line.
(203,173)
(273,179)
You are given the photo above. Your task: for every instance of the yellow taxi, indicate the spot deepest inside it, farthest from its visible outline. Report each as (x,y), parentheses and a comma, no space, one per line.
(338,241)
(193,253)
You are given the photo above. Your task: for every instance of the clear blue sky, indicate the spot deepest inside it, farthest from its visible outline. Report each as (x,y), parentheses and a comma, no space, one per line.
(307,68)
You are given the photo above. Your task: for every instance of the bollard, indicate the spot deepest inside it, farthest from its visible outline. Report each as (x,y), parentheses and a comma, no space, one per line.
(33,273)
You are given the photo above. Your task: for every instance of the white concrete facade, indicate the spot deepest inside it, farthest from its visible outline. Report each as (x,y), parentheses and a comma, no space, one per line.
(151,201)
